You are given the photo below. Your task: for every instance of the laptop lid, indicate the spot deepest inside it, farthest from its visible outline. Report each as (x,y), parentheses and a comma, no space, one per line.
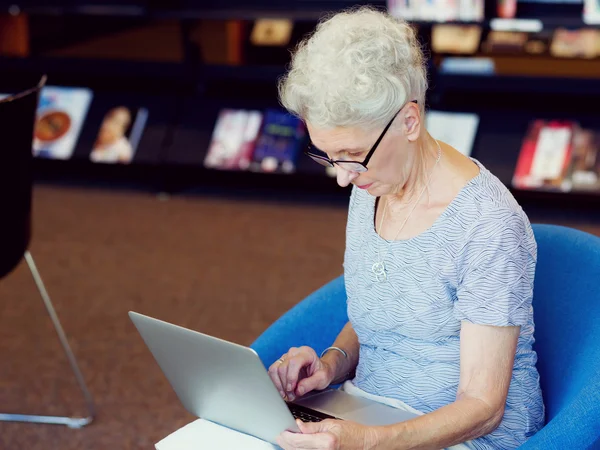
(216,380)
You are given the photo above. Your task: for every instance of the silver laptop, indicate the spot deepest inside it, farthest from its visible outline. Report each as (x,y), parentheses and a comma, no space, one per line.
(227,383)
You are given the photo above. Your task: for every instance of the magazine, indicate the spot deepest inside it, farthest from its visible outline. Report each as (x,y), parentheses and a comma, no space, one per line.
(60,116)
(455,129)
(233,140)
(545,156)
(279,144)
(119,135)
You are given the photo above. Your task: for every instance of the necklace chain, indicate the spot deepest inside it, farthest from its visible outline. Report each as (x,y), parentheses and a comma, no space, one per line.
(378,267)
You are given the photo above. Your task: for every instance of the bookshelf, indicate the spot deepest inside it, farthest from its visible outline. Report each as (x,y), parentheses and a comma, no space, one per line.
(188,90)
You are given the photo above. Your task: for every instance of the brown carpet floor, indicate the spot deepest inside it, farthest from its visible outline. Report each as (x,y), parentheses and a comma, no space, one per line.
(225,267)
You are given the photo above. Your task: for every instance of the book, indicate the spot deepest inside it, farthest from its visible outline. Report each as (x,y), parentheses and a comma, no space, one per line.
(471,10)
(455,39)
(583,43)
(507,9)
(220,41)
(500,41)
(591,12)
(545,156)
(234,139)
(279,143)
(119,135)
(437,10)
(538,43)
(14,35)
(455,129)
(60,117)
(205,435)
(272,32)
(559,156)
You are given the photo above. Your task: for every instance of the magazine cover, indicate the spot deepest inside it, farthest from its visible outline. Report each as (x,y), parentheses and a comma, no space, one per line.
(119,135)
(455,129)
(60,116)
(279,143)
(233,140)
(584,172)
(545,156)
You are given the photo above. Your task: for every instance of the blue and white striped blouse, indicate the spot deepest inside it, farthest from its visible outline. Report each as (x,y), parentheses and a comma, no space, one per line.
(476,263)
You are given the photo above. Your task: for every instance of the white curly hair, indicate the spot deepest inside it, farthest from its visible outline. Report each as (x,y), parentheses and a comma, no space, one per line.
(356,69)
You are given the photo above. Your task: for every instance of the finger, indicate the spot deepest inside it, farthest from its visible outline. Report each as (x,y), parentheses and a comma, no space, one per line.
(295,364)
(283,440)
(317,427)
(317,381)
(289,373)
(282,370)
(297,441)
(274,374)
(309,427)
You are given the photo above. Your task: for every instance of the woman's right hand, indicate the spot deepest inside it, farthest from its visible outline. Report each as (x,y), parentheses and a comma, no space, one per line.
(300,371)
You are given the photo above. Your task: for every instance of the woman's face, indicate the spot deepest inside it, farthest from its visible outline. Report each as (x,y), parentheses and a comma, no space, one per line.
(392,161)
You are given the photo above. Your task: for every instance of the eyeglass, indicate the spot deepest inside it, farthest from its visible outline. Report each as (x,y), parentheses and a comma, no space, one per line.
(350,166)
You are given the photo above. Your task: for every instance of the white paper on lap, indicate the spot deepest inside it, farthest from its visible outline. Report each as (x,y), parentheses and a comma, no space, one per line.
(204,435)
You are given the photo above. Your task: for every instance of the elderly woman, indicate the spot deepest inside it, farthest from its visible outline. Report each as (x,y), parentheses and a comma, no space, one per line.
(439,259)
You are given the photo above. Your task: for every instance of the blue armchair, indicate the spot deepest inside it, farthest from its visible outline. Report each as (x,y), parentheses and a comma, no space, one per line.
(567,317)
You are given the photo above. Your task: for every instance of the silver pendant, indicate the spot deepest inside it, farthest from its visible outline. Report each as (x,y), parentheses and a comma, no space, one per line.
(378,269)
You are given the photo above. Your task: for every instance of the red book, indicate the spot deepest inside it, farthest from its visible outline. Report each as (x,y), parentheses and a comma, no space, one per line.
(545,156)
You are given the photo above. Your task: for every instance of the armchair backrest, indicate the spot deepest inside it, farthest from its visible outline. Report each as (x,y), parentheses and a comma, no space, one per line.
(17,120)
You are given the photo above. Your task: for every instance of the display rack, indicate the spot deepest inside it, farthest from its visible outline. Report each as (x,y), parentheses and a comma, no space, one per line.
(190,92)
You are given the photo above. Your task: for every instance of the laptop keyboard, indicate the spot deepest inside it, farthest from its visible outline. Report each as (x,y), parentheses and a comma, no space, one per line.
(306,414)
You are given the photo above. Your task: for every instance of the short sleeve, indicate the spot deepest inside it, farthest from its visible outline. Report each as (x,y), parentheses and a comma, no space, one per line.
(497,271)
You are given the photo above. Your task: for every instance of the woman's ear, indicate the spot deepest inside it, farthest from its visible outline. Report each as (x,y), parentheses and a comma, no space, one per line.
(412,122)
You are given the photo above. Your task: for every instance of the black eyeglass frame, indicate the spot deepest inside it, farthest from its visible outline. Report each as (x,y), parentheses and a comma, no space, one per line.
(331,162)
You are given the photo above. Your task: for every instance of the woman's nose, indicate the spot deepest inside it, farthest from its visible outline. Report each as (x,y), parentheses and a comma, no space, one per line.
(345,177)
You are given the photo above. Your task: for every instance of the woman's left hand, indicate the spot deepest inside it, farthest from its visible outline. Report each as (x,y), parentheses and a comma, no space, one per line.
(329,434)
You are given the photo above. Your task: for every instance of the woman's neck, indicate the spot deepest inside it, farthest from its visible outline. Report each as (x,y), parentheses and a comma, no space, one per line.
(419,177)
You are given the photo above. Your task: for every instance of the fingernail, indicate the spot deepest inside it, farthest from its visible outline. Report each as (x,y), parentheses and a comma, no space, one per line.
(289,387)
(301,390)
(282,394)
